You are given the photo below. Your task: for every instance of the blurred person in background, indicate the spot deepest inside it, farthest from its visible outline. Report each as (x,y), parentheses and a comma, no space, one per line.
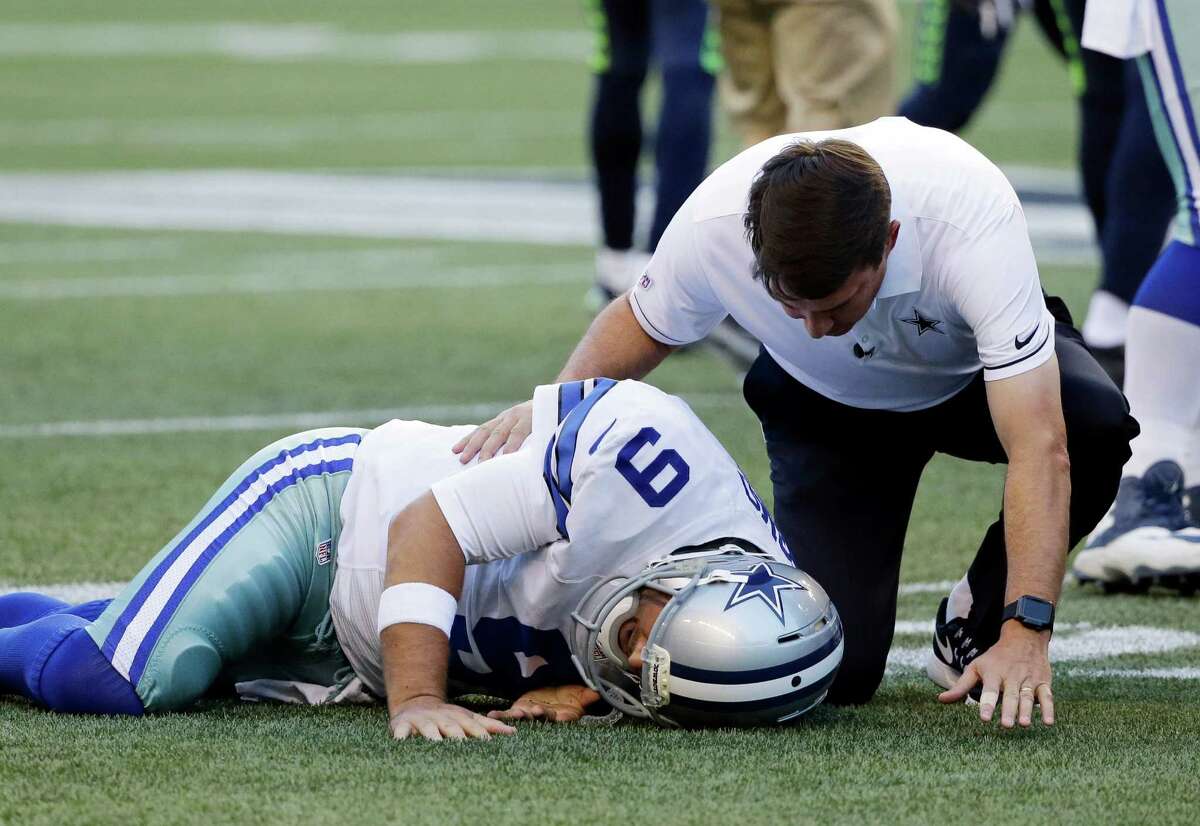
(673,35)
(806,65)
(1149,536)
(960,44)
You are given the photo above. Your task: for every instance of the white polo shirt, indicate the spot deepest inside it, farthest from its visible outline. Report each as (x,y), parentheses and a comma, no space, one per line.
(961,292)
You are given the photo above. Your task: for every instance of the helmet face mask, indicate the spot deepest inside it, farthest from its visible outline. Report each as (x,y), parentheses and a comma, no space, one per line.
(744,640)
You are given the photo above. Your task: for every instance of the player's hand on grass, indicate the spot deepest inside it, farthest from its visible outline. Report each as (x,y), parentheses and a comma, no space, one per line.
(557,704)
(433,719)
(503,434)
(1015,672)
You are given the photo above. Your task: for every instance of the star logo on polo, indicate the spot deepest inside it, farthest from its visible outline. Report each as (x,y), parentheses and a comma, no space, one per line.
(764,584)
(923,323)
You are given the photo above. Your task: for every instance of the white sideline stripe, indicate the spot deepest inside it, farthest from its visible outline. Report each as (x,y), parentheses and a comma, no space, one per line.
(1139,673)
(372,206)
(756,691)
(334,279)
(901,659)
(124,249)
(469,128)
(266,42)
(139,627)
(455,413)
(72,592)
(1083,642)
(943,587)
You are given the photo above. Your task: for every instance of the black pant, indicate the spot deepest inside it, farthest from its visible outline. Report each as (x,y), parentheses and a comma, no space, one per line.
(845,479)
(671,35)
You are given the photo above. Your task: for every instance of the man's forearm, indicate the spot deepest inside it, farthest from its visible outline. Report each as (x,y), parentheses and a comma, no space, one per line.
(615,346)
(1037,498)
(421,548)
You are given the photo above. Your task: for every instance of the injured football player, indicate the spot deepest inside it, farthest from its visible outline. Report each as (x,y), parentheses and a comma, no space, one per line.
(621,560)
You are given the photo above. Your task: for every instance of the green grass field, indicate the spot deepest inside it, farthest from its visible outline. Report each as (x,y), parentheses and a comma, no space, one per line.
(133,359)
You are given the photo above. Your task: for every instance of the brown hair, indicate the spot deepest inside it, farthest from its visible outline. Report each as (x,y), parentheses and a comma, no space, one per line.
(818,212)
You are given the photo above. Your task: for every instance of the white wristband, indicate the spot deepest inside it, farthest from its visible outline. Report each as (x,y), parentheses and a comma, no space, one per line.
(417,602)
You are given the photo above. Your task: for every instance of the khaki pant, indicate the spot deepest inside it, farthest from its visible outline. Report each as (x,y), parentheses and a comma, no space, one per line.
(805,65)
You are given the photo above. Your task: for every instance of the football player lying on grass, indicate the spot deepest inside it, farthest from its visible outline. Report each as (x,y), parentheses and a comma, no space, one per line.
(620,555)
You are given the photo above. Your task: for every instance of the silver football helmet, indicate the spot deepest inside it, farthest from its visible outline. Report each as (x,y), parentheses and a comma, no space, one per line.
(744,640)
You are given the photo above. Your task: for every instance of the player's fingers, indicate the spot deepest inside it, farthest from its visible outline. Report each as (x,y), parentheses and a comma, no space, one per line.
(451,729)
(495,726)
(473,443)
(566,715)
(965,683)
(516,438)
(988,698)
(429,730)
(1045,699)
(492,444)
(1025,706)
(1012,698)
(401,730)
(472,727)
(506,714)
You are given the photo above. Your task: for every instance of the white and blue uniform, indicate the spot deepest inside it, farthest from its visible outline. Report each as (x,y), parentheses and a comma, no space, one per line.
(615,475)
(275,584)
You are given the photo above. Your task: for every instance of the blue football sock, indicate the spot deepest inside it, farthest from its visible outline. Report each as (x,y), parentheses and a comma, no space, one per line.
(54,662)
(26,606)
(1172,287)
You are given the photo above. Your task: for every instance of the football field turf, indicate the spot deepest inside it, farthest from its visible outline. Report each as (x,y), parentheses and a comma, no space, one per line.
(163,317)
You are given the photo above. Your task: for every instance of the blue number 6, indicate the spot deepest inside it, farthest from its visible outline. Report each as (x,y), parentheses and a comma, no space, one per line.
(642,479)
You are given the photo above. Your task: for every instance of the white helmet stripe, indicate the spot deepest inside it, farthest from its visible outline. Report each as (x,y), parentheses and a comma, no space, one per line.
(715,692)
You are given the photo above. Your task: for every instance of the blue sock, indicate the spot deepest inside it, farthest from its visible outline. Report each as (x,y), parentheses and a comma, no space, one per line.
(90,611)
(26,606)
(1172,287)
(54,662)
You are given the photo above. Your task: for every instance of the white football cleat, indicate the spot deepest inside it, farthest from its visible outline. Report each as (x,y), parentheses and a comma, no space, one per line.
(616,272)
(1146,537)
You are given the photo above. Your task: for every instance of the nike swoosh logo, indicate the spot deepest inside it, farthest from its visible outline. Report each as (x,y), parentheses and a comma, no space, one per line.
(1017,339)
(945,652)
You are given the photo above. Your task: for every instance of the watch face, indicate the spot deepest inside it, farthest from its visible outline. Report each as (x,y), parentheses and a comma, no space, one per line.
(1036,611)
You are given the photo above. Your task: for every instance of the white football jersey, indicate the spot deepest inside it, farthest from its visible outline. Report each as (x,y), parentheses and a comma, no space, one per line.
(614,476)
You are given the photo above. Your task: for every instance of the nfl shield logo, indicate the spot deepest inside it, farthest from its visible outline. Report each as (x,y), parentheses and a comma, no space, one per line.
(325,552)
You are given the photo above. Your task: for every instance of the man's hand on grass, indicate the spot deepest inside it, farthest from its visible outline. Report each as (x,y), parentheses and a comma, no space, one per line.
(1015,672)
(556,704)
(432,718)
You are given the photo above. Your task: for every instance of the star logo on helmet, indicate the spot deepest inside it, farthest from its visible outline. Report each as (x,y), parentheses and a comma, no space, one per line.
(764,584)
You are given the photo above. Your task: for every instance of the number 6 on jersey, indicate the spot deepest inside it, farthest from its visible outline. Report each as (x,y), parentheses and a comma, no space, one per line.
(642,480)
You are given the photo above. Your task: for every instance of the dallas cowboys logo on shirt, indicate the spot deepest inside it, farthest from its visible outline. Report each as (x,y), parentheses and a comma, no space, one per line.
(923,324)
(766,585)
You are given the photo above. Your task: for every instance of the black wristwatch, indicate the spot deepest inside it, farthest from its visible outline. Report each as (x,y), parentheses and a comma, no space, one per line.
(1032,612)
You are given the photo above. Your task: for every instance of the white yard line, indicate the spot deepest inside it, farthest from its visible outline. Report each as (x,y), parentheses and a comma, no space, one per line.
(1078,643)
(1073,643)
(454,127)
(289,43)
(65,251)
(332,279)
(374,206)
(454,413)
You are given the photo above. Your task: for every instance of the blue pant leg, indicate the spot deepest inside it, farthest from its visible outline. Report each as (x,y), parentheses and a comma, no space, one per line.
(616,125)
(1140,197)
(955,65)
(685,122)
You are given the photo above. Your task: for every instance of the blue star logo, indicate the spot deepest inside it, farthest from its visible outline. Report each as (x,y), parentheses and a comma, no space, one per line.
(763,583)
